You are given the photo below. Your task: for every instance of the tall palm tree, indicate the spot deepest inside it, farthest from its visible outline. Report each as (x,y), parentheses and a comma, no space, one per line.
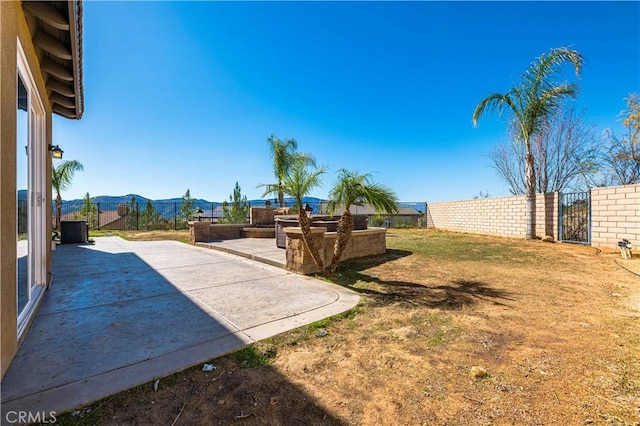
(530,103)
(61,178)
(284,154)
(298,182)
(354,188)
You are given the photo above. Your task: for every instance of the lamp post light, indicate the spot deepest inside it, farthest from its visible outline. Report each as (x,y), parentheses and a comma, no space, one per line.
(199,214)
(308,209)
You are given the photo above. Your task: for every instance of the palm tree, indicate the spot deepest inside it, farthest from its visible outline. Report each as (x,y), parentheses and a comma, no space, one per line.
(354,188)
(531,102)
(61,177)
(297,183)
(284,154)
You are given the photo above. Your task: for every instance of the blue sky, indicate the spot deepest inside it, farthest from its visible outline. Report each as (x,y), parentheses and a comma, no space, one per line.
(184,94)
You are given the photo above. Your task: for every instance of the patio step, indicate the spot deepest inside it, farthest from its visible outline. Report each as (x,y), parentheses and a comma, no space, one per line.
(250,256)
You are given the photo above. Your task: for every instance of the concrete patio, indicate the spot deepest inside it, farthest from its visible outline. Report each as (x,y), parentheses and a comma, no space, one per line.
(123,313)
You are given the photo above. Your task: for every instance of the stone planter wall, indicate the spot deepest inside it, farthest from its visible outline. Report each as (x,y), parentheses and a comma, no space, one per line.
(366,242)
(266,215)
(225,232)
(202,232)
(198,232)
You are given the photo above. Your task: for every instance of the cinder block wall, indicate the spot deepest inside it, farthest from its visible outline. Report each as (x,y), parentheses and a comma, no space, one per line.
(503,216)
(615,214)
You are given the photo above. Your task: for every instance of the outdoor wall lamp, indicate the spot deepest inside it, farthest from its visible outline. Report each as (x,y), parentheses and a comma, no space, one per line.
(56,152)
(199,213)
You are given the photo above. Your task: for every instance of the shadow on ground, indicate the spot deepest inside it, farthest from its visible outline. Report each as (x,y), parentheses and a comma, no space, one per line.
(230,395)
(454,295)
(120,314)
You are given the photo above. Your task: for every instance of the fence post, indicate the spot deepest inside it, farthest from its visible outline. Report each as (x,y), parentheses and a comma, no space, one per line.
(175,216)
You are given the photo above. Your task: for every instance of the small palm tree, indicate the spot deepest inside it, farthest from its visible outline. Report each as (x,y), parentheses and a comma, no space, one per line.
(297,183)
(354,188)
(531,102)
(61,178)
(284,154)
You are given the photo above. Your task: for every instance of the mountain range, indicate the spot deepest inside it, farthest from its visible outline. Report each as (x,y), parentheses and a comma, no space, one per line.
(126,199)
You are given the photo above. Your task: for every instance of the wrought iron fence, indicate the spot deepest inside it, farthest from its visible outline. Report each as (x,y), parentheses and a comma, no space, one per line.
(139,216)
(575,217)
(162,215)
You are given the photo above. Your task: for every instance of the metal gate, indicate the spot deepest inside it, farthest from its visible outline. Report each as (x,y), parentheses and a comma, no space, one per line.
(575,217)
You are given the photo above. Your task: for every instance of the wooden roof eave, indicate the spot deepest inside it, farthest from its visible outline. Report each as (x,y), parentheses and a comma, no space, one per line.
(57,34)
(75,20)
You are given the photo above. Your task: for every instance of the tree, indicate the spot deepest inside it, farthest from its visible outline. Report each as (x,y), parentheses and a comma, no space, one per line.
(187,207)
(284,155)
(150,218)
(565,153)
(354,188)
(89,211)
(239,210)
(297,183)
(531,102)
(479,195)
(133,213)
(623,156)
(61,178)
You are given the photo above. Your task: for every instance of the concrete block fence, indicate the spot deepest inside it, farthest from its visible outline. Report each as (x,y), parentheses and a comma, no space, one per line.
(504,216)
(615,214)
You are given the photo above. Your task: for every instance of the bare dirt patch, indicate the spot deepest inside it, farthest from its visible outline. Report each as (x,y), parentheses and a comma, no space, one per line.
(555,326)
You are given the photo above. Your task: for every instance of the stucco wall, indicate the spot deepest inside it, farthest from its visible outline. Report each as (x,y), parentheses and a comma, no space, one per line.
(615,214)
(13,26)
(504,216)
(8,36)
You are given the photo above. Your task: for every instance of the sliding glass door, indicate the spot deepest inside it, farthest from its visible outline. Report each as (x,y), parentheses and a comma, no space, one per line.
(30,203)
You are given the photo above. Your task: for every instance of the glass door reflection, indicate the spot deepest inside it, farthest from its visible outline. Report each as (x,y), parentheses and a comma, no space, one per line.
(23,270)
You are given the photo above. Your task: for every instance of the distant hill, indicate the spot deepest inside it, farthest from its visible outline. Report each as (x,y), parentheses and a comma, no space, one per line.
(126,199)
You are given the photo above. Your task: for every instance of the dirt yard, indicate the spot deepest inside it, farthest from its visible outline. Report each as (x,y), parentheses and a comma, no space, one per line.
(453,329)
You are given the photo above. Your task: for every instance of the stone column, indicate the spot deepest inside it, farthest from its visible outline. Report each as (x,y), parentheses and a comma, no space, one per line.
(299,259)
(198,232)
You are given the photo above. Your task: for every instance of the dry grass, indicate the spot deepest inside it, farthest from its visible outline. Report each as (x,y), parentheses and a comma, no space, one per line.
(555,326)
(180,235)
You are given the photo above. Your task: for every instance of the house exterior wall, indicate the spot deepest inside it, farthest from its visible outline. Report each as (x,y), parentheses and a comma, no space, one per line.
(503,216)
(13,26)
(615,215)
